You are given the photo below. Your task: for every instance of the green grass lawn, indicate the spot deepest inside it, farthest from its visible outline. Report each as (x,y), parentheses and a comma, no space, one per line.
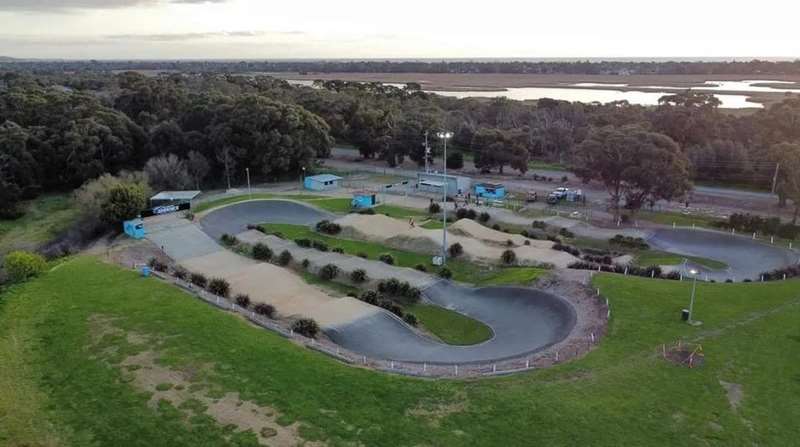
(656,257)
(508,276)
(451,327)
(204,206)
(462,270)
(333,288)
(57,387)
(44,218)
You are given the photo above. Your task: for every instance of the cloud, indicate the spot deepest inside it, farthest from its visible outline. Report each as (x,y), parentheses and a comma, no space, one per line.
(69,5)
(177,37)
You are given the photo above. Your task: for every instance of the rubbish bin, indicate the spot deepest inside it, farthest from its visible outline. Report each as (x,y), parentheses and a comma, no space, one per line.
(685,315)
(146,271)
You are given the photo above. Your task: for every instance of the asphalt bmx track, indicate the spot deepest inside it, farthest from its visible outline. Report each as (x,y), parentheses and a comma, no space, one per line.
(522,320)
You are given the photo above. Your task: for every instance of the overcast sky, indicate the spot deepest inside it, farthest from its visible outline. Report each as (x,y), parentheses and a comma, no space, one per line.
(122,29)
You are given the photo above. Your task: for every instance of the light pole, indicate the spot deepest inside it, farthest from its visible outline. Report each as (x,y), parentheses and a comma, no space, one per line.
(694,273)
(249,191)
(444,136)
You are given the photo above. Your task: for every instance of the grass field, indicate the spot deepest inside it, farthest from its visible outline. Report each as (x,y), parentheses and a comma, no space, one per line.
(61,379)
(451,327)
(656,257)
(44,219)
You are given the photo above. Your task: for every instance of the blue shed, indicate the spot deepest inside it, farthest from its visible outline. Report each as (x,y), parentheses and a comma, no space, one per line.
(322,182)
(134,228)
(490,190)
(362,200)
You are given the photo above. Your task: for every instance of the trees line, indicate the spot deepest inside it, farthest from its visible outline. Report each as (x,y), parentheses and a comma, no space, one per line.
(58,131)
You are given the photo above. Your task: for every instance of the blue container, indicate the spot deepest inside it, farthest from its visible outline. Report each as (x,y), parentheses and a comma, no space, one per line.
(146,271)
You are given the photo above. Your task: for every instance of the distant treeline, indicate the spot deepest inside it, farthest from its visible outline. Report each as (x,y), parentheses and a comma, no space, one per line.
(752,67)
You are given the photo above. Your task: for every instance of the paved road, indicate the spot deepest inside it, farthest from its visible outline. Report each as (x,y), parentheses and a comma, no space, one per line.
(523,320)
(235,218)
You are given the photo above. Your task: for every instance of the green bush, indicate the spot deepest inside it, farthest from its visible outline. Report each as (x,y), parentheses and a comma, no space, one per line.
(228,240)
(328,227)
(370,297)
(284,258)
(199,280)
(180,273)
(508,257)
(339,250)
(455,250)
(305,263)
(306,327)
(434,208)
(421,267)
(411,319)
(329,272)
(362,255)
(392,307)
(157,265)
(358,276)
(319,245)
(242,300)
(267,310)
(305,243)
(484,217)
(445,273)
(262,252)
(386,258)
(219,287)
(22,265)
(125,201)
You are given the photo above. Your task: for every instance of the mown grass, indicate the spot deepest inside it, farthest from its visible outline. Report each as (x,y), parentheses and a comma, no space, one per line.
(508,276)
(656,257)
(44,219)
(211,204)
(462,270)
(622,393)
(450,327)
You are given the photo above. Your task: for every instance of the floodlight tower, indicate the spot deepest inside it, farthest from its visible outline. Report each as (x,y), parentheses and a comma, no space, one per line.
(444,136)
(694,273)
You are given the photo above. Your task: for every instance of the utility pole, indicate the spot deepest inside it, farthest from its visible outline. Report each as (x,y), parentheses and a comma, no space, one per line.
(249,190)
(775,178)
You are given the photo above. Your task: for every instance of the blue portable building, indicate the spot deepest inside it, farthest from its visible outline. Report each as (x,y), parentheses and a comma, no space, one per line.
(322,182)
(134,228)
(490,191)
(362,200)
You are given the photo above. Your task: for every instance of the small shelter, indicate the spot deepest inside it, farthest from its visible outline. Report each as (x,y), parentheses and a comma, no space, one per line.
(364,199)
(494,191)
(168,198)
(435,182)
(322,182)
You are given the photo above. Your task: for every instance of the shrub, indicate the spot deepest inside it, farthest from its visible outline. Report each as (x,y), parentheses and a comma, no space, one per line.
(362,255)
(157,265)
(386,258)
(228,240)
(319,245)
(188,215)
(305,263)
(267,310)
(508,257)
(199,280)
(539,224)
(370,297)
(411,319)
(306,327)
(22,265)
(496,227)
(284,258)
(527,242)
(328,227)
(569,249)
(461,213)
(509,243)
(421,267)
(566,233)
(455,160)
(434,208)
(339,250)
(262,252)
(124,201)
(329,272)
(242,300)
(367,211)
(358,276)
(305,243)
(634,243)
(180,273)
(472,214)
(484,217)
(392,307)
(220,287)
(455,250)
(389,286)
(445,273)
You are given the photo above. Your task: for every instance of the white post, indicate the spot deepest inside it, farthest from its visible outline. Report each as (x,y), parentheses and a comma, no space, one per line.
(456,367)
(592,337)
(673,225)
(598,291)
(691,303)
(556,355)
(754,235)
(693,226)
(772,239)
(424,367)
(608,314)
(494,368)
(626,270)
(249,191)
(392,365)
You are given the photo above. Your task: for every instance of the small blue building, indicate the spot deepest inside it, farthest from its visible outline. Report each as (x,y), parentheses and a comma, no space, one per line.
(134,228)
(322,182)
(363,200)
(494,191)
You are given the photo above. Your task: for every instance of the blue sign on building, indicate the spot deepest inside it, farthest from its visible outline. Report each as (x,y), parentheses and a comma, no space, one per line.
(490,190)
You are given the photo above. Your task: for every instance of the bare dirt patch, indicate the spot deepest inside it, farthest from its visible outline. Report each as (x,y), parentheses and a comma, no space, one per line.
(185,390)
(734,392)
(434,412)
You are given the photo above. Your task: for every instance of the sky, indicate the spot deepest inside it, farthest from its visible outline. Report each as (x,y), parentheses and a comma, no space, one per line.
(269,29)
